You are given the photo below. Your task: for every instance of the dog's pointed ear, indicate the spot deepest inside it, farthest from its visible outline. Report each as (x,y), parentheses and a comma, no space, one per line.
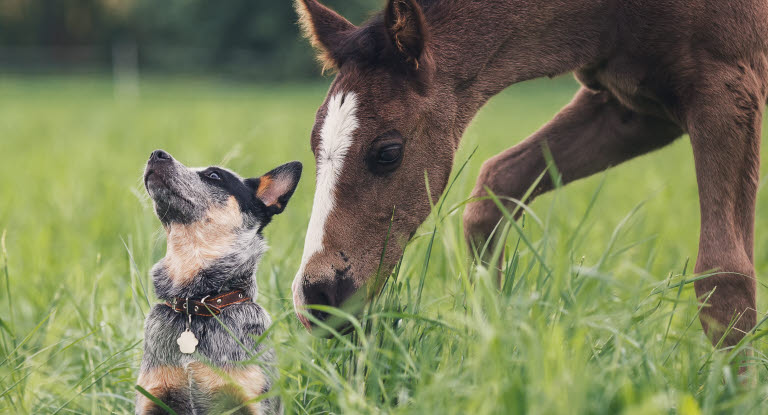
(407,28)
(275,188)
(325,29)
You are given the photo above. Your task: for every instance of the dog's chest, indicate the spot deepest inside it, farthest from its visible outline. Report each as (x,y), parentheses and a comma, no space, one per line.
(221,374)
(218,344)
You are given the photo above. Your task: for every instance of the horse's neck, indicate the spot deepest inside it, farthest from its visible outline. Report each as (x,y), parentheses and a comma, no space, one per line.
(482,47)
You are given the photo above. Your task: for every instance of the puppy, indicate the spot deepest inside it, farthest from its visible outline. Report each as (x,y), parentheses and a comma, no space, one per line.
(201,354)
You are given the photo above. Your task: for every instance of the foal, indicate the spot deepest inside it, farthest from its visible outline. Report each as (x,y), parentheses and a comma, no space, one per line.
(411,79)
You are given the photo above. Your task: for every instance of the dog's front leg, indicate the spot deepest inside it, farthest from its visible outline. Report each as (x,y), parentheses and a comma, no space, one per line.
(170,385)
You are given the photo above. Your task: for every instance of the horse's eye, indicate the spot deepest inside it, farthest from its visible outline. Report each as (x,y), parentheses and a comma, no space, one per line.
(386,153)
(390,154)
(213,175)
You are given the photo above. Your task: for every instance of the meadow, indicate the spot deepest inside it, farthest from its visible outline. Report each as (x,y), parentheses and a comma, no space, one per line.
(597,314)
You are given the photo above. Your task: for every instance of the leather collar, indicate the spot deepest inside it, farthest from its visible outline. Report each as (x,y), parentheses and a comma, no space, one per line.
(207,306)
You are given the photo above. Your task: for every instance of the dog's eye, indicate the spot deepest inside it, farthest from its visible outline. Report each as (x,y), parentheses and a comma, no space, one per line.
(213,175)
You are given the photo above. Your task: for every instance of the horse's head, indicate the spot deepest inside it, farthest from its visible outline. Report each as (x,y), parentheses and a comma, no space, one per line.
(383,127)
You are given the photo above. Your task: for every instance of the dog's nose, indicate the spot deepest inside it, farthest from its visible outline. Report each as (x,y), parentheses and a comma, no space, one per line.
(160,155)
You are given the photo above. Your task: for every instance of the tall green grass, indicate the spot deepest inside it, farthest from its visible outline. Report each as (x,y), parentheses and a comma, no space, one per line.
(596,314)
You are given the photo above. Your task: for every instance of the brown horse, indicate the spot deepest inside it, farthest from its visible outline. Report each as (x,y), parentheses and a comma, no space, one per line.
(410,79)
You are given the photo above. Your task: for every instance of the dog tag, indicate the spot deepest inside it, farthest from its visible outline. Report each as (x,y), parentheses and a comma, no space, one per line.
(187,342)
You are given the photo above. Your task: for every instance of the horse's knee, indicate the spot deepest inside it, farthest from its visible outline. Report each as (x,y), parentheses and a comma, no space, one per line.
(483,215)
(730,295)
(480,219)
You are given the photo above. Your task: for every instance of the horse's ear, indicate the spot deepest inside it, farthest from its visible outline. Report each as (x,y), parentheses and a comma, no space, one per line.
(324,28)
(407,28)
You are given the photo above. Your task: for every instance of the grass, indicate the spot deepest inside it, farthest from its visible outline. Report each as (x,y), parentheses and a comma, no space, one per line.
(597,314)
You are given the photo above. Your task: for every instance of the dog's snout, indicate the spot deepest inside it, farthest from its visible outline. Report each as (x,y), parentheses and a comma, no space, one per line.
(160,164)
(160,156)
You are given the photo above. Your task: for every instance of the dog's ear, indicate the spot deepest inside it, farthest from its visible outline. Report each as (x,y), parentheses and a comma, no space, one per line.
(276,187)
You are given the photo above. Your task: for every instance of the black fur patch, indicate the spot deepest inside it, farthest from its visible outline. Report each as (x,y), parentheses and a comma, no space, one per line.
(178,400)
(244,194)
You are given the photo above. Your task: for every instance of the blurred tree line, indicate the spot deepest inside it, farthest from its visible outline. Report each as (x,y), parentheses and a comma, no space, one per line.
(254,38)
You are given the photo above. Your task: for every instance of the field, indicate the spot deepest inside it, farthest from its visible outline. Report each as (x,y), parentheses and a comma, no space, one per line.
(597,316)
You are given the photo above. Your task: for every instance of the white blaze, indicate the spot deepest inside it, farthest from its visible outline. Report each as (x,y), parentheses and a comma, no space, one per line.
(335,138)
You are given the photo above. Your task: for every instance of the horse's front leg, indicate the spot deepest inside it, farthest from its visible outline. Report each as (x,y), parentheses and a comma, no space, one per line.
(724,121)
(591,134)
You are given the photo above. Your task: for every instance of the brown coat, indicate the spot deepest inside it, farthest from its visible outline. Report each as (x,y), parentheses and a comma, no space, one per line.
(651,70)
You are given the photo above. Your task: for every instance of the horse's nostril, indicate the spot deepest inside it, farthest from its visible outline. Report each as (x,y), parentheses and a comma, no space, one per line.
(320,293)
(320,315)
(324,297)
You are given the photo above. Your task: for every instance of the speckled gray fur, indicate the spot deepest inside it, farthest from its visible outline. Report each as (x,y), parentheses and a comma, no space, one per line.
(184,195)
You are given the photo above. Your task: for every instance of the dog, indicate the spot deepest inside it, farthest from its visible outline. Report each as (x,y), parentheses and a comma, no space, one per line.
(201,353)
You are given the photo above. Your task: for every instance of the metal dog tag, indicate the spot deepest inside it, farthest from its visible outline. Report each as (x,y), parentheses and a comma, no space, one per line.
(187,342)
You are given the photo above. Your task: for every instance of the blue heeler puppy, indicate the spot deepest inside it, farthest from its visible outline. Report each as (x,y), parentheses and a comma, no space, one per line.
(214,221)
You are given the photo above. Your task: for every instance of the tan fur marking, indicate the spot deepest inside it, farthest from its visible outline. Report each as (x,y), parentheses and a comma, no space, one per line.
(270,190)
(193,247)
(308,30)
(158,380)
(264,183)
(245,383)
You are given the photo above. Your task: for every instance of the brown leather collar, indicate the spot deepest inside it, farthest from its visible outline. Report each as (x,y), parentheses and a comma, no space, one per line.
(207,306)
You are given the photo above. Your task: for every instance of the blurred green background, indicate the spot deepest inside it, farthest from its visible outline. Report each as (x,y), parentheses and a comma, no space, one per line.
(89,88)
(254,39)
